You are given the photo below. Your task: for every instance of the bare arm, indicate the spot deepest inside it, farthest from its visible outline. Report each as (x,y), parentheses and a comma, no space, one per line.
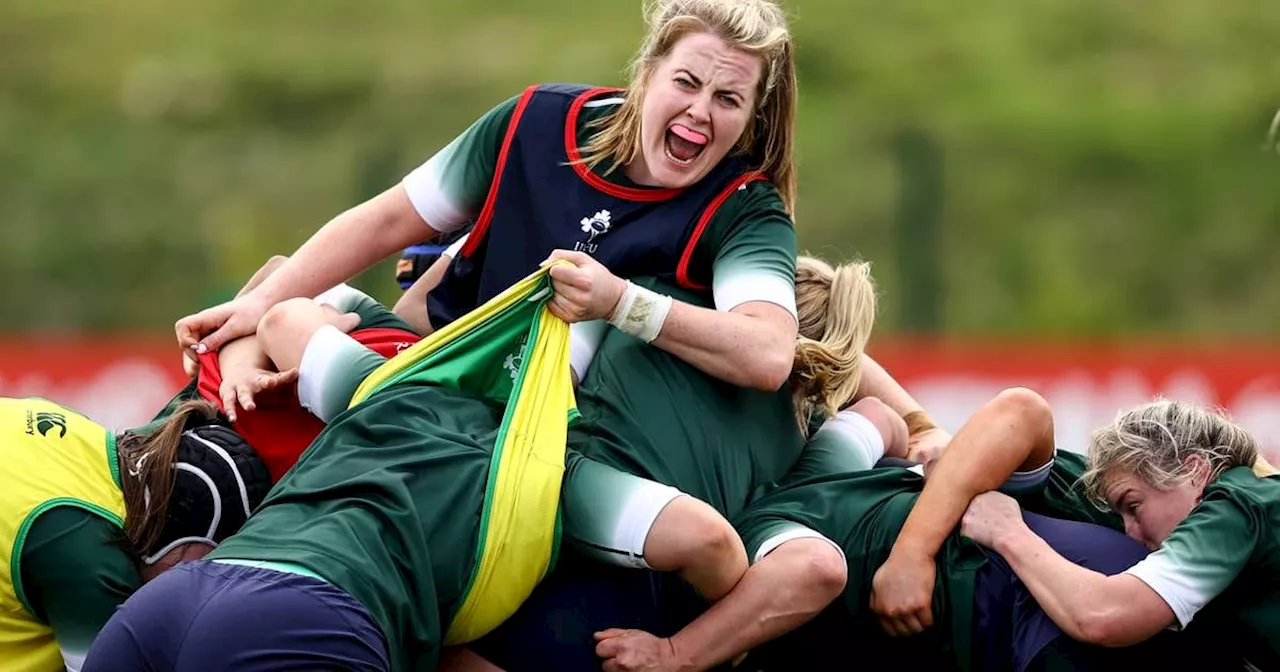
(751,346)
(1090,607)
(412,306)
(876,382)
(1012,432)
(271,266)
(241,361)
(350,243)
(347,245)
(927,440)
(782,591)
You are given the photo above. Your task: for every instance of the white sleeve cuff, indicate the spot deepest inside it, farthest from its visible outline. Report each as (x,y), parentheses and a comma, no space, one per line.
(1176,589)
(859,434)
(342,297)
(423,186)
(735,291)
(584,341)
(327,355)
(791,534)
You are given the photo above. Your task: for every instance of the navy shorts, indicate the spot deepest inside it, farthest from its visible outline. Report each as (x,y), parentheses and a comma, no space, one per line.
(1010,628)
(554,629)
(205,615)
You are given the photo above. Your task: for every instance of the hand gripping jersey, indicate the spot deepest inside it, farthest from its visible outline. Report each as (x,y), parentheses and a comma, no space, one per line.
(519,530)
(543,198)
(280,432)
(49,457)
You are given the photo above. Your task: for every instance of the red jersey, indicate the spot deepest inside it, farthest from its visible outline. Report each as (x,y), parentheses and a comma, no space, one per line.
(279,432)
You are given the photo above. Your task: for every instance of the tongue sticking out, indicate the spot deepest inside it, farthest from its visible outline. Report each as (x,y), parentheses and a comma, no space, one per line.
(685,144)
(689,134)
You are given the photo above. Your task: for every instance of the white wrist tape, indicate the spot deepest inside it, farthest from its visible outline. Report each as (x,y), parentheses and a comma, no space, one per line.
(641,312)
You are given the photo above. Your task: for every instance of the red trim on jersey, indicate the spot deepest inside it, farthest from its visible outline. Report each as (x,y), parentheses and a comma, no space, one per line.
(486,213)
(584,172)
(682,271)
(278,429)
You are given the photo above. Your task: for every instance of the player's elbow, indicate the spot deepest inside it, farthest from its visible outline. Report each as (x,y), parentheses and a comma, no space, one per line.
(770,371)
(769,366)
(1109,626)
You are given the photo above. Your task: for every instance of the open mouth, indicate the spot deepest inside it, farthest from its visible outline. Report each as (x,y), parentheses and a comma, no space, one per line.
(683,144)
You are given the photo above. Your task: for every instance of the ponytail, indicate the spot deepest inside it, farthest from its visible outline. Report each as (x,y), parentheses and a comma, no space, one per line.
(836,309)
(147,461)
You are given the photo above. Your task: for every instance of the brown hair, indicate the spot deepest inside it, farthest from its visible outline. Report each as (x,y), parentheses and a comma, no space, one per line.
(758,27)
(147,462)
(836,309)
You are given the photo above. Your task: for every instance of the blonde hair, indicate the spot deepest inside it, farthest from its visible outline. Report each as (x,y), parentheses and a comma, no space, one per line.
(758,27)
(1154,440)
(836,308)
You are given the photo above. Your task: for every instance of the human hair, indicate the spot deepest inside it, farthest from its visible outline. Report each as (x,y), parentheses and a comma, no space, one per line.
(1154,441)
(758,27)
(147,462)
(836,309)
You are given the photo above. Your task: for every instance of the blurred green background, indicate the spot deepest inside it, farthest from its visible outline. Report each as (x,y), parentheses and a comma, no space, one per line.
(1044,167)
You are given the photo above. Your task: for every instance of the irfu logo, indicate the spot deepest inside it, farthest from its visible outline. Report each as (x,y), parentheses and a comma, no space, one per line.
(595,225)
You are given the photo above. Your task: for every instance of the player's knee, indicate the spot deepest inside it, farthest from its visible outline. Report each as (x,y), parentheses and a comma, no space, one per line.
(821,567)
(690,534)
(812,571)
(713,541)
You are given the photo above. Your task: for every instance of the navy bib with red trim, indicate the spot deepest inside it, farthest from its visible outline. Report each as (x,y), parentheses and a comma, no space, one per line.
(541,201)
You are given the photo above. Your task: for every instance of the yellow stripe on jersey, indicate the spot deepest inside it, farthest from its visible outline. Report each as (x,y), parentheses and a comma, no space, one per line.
(479,352)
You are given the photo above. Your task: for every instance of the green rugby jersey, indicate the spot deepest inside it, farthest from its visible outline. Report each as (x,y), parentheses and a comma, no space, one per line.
(1221,566)
(863,511)
(386,505)
(648,413)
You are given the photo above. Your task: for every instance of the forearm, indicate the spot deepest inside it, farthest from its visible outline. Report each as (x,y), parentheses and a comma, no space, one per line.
(347,245)
(1011,432)
(768,602)
(877,382)
(752,346)
(1082,602)
(263,273)
(245,352)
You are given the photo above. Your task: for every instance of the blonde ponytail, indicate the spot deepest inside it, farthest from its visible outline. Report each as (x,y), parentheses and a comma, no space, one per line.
(836,308)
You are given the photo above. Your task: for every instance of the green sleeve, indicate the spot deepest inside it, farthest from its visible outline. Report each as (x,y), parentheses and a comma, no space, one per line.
(74,573)
(750,247)
(373,315)
(1063,494)
(1203,554)
(449,190)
